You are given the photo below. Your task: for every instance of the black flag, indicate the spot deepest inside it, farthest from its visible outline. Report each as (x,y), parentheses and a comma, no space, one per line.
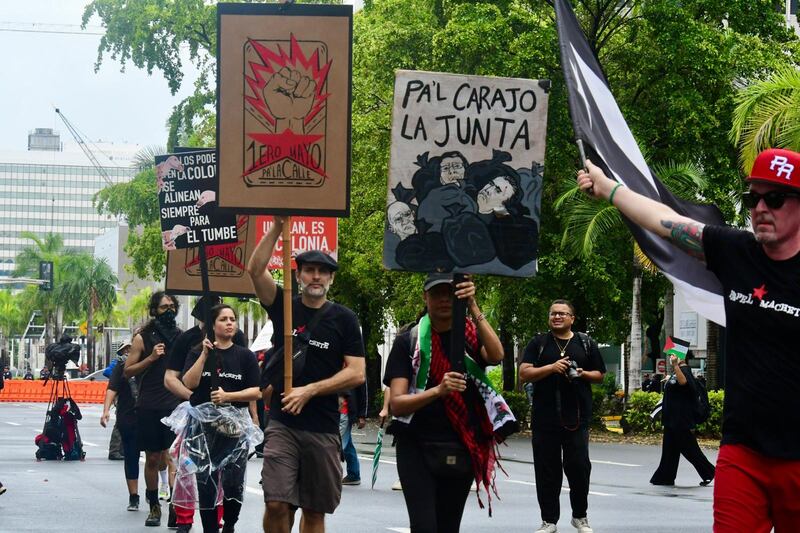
(609,143)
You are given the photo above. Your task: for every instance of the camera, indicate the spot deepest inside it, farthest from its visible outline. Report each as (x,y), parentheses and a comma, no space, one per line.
(60,353)
(572,371)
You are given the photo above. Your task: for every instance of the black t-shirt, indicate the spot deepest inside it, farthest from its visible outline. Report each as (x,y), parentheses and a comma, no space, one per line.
(238,371)
(574,397)
(126,405)
(337,334)
(190,339)
(152,392)
(679,401)
(762,308)
(429,423)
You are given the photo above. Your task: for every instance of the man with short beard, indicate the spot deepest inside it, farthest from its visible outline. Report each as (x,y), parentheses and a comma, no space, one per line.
(301,443)
(562,364)
(147,361)
(758,466)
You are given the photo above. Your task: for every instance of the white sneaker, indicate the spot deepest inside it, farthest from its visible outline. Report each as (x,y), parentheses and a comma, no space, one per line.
(581,524)
(397,485)
(163,491)
(547,527)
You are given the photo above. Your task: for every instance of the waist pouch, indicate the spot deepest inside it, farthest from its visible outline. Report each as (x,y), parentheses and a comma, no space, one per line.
(447,459)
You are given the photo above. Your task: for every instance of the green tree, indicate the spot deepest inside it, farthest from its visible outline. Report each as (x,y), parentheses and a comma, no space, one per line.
(10,321)
(87,285)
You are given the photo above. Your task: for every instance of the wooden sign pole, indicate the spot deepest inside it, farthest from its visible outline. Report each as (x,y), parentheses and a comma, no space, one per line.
(287,305)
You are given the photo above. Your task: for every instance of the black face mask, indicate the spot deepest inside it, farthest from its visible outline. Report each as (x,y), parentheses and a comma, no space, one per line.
(167,318)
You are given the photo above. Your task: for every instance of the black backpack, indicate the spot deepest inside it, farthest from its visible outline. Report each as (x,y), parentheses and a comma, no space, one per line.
(702,409)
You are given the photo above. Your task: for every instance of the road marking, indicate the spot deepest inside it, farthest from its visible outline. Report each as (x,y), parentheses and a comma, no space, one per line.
(87,443)
(399,529)
(251,490)
(369,460)
(613,463)
(13,424)
(531,484)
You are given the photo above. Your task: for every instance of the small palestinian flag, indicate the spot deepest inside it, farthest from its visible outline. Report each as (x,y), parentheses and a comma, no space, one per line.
(677,347)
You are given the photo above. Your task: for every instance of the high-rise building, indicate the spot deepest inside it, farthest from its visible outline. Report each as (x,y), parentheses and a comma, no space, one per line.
(51,187)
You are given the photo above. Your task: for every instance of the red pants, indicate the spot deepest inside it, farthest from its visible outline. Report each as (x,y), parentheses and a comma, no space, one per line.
(753,492)
(186,516)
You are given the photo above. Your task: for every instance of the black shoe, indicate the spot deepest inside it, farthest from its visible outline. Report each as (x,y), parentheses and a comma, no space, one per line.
(706,482)
(2,489)
(116,457)
(350,480)
(133,502)
(227,528)
(184,528)
(154,518)
(172,518)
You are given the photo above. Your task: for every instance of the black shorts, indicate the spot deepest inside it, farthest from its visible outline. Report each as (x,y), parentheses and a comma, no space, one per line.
(151,434)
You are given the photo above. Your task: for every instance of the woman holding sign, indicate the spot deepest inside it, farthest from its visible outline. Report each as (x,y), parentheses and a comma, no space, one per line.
(447,423)
(678,418)
(215,427)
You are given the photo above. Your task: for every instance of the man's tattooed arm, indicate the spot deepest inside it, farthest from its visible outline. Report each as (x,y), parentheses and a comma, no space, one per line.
(688,236)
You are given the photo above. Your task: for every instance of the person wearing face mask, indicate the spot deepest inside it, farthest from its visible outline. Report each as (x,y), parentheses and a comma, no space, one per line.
(147,361)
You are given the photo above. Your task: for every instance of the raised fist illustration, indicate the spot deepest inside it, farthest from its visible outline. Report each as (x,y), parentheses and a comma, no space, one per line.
(289,94)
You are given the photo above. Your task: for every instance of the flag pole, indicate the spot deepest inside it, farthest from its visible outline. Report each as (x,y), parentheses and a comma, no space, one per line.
(287,305)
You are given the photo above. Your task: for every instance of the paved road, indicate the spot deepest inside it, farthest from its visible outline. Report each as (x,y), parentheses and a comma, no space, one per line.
(90,496)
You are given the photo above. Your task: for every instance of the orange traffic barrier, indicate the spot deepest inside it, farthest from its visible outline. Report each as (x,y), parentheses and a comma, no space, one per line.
(36,391)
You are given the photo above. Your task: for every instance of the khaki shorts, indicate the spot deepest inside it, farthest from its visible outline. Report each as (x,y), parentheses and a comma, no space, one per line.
(302,468)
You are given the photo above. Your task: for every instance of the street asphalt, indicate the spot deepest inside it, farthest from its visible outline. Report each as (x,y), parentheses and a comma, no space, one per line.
(90,496)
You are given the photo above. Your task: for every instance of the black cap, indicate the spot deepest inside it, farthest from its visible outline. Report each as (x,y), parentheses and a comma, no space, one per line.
(317,257)
(203,306)
(437,278)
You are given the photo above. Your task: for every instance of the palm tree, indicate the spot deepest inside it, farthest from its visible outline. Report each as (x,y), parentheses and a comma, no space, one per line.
(50,248)
(10,318)
(767,115)
(88,285)
(248,309)
(137,308)
(587,221)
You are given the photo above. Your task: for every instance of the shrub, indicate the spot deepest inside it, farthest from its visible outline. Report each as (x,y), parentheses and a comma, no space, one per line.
(495,375)
(636,418)
(712,428)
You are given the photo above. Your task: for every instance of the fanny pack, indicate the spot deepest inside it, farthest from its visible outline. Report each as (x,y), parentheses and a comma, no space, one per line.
(273,369)
(447,459)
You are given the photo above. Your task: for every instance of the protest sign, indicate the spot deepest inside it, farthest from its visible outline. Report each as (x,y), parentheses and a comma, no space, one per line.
(308,233)
(187,186)
(283,108)
(465,175)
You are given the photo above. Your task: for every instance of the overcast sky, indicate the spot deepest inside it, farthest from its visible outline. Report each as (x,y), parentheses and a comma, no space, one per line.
(43,70)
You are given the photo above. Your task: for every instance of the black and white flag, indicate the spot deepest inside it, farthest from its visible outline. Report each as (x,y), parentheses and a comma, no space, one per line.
(609,143)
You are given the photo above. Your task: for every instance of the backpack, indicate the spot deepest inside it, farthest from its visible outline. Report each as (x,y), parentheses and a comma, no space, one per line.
(702,409)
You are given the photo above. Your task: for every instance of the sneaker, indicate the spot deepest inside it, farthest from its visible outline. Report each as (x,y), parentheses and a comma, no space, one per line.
(349,480)
(547,527)
(133,502)
(2,489)
(581,524)
(172,518)
(184,528)
(154,518)
(706,482)
(397,485)
(163,491)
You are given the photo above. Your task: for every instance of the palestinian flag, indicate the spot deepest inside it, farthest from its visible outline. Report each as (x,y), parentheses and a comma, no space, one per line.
(677,347)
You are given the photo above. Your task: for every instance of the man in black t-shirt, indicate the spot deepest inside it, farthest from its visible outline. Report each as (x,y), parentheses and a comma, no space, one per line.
(301,443)
(563,364)
(760,277)
(148,362)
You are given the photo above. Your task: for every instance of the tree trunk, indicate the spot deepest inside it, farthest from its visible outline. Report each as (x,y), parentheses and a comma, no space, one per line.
(509,362)
(712,356)
(90,333)
(635,360)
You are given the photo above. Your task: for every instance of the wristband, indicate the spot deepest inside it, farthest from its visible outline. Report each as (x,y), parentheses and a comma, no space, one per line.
(613,192)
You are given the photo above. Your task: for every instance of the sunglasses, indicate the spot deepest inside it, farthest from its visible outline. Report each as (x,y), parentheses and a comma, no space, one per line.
(773,199)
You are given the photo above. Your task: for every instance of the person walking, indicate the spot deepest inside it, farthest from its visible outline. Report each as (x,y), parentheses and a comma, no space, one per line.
(352,412)
(301,443)
(757,476)
(563,364)
(678,419)
(446,423)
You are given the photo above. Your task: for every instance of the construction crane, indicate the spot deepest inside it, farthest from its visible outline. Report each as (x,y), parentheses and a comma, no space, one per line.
(86,150)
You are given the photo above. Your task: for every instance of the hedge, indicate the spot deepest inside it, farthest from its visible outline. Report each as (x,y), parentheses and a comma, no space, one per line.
(640,404)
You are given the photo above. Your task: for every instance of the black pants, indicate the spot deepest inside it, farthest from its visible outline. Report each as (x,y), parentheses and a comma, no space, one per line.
(677,442)
(128,434)
(548,445)
(232,479)
(433,505)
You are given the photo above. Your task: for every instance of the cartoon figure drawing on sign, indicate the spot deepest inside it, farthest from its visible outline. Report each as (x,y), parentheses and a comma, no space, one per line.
(465,214)
(224,260)
(285,127)
(162,170)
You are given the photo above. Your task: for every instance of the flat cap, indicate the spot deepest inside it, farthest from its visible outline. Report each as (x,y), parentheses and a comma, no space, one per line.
(317,257)
(437,278)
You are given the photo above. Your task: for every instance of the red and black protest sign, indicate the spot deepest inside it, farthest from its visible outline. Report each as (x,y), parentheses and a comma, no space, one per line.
(188,185)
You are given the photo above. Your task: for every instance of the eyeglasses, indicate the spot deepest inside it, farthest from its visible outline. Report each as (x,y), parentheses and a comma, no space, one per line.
(773,199)
(559,314)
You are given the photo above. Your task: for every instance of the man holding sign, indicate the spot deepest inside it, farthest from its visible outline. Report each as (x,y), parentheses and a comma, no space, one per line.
(758,467)
(301,444)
